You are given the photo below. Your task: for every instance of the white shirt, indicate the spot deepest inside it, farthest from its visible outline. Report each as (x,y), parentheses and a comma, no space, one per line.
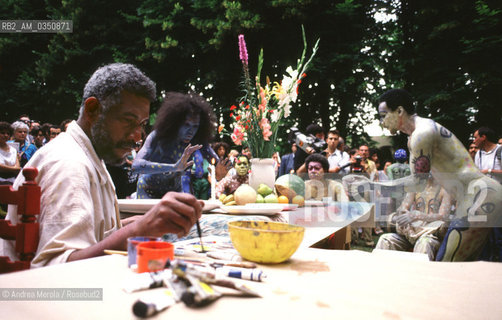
(8,157)
(78,205)
(338,159)
(486,160)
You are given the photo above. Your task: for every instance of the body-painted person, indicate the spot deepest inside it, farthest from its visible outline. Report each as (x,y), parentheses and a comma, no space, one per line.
(229,184)
(185,124)
(435,151)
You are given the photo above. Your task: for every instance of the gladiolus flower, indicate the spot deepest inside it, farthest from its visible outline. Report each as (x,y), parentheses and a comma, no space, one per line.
(233,107)
(243,51)
(237,136)
(265,127)
(220,128)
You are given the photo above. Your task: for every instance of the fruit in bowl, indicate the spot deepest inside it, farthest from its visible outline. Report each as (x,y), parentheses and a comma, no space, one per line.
(265,241)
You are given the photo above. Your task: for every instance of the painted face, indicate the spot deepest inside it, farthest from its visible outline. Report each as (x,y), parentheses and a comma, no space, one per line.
(388,119)
(332,140)
(115,133)
(20,135)
(242,166)
(315,170)
(188,130)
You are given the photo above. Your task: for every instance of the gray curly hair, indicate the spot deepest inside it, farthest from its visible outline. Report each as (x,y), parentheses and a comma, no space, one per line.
(108,82)
(19,125)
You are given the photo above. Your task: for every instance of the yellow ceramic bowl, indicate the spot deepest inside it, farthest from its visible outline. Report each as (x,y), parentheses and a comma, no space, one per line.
(265,242)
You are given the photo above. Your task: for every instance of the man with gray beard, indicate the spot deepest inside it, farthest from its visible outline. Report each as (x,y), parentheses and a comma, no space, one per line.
(79,215)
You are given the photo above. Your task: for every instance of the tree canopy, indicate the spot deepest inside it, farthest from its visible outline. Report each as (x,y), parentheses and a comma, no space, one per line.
(445,53)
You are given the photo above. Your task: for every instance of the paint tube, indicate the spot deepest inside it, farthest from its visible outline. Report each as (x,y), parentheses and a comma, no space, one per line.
(241,273)
(199,293)
(146,280)
(153,303)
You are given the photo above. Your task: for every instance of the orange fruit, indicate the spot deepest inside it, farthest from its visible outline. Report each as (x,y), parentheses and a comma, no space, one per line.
(283,199)
(299,200)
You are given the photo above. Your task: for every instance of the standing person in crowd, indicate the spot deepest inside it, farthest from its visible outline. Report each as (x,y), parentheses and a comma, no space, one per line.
(38,137)
(54,132)
(224,164)
(301,154)
(487,159)
(9,161)
(185,123)
(79,215)
(288,161)
(400,168)
(435,151)
(336,158)
(46,128)
(277,162)
(473,149)
(369,166)
(64,124)
(26,149)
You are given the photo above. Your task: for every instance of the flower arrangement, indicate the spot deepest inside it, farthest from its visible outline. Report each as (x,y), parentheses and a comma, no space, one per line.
(258,115)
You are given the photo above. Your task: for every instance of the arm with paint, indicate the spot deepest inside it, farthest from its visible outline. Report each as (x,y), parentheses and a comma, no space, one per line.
(142,165)
(420,154)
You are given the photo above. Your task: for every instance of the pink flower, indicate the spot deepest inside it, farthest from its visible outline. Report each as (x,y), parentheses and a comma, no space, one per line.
(263,100)
(265,128)
(237,136)
(243,51)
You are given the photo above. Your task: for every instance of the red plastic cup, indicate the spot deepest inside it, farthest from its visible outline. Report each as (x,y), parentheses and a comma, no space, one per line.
(153,255)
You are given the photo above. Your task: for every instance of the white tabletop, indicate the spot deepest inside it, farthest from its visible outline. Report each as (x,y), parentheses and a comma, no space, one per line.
(313,284)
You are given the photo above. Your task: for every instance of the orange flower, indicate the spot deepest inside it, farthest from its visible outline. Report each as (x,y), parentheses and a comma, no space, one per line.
(220,128)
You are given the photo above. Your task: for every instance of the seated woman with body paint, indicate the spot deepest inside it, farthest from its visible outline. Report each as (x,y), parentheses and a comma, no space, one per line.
(185,124)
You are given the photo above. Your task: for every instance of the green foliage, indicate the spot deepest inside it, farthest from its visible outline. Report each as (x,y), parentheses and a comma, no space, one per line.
(444,52)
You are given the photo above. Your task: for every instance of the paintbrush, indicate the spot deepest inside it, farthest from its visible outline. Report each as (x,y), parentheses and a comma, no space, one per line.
(186,185)
(199,231)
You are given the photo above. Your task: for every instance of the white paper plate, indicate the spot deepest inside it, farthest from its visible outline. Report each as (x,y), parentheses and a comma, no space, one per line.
(143,205)
(283,206)
(254,208)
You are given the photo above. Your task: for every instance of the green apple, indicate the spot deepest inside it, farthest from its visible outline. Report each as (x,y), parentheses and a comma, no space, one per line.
(264,190)
(271,198)
(259,198)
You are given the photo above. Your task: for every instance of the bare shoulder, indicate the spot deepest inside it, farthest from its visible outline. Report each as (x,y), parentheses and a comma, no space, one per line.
(424,133)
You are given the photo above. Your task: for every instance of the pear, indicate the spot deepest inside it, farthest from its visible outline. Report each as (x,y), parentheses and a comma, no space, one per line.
(264,190)
(271,198)
(259,198)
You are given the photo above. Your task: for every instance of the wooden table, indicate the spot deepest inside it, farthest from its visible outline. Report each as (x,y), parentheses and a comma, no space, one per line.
(313,284)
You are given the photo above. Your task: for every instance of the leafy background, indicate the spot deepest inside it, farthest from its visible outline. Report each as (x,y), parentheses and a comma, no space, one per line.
(447,53)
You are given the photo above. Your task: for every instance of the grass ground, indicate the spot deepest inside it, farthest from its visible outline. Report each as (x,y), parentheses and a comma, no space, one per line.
(359,245)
